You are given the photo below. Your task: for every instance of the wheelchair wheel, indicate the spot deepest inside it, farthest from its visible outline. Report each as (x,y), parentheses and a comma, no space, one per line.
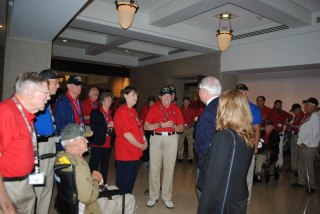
(267,176)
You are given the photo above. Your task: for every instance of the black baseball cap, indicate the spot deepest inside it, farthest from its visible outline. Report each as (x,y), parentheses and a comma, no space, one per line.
(50,74)
(172,88)
(165,90)
(76,80)
(242,87)
(295,106)
(311,100)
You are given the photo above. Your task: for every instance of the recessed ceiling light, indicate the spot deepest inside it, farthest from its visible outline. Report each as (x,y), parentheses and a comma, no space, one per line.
(1,26)
(127,51)
(64,40)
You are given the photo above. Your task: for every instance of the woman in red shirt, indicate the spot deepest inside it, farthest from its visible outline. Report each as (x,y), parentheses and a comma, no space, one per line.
(130,140)
(101,124)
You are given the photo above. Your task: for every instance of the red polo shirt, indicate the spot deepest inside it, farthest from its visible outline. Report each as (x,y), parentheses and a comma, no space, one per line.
(279,119)
(188,115)
(126,120)
(88,106)
(264,112)
(144,112)
(16,149)
(297,122)
(158,113)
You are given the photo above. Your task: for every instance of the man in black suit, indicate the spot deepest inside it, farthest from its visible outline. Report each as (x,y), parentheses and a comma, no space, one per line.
(209,91)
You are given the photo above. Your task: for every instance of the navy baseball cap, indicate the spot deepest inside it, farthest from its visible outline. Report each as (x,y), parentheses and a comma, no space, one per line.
(76,80)
(50,74)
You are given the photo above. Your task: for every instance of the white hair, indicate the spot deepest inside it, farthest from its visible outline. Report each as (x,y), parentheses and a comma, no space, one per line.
(26,80)
(211,85)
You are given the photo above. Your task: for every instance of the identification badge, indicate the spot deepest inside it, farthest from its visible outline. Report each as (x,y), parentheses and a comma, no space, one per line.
(36,178)
(165,134)
(279,125)
(185,125)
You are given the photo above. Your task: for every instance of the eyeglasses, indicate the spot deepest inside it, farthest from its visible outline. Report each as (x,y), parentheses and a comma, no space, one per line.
(45,92)
(55,82)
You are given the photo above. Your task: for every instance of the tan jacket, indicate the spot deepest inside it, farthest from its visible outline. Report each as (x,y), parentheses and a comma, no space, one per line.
(88,189)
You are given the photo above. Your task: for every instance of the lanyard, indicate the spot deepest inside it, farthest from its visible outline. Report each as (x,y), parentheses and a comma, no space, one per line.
(94,105)
(165,115)
(77,105)
(106,117)
(137,120)
(32,133)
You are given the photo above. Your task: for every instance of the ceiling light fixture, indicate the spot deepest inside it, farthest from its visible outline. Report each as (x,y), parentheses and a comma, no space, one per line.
(64,40)
(126,11)
(1,26)
(224,36)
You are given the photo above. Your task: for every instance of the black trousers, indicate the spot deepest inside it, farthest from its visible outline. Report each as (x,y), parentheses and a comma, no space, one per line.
(126,175)
(146,154)
(100,157)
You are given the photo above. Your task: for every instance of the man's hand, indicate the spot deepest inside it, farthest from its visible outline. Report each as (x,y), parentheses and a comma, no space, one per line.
(5,203)
(97,177)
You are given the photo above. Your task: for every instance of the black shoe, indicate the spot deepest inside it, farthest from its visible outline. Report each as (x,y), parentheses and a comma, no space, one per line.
(310,191)
(180,160)
(298,185)
(257,178)
(190,161)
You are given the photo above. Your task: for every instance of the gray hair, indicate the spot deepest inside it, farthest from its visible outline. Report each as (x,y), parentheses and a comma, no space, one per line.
(66,143)
(29,79)
(105,95)
(211,85)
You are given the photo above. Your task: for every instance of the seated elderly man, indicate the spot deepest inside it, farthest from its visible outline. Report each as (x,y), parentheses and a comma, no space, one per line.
(75,144)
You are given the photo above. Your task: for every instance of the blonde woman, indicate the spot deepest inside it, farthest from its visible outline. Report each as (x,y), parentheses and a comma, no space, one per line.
(223,175)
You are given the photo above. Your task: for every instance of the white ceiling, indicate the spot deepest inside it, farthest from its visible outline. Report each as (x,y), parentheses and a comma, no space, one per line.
(162,30)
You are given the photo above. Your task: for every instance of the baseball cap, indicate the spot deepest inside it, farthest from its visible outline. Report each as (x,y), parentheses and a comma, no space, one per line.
(295,106)
(311,100)
(172,88)
(76,80)
(73,130)
(242,87)
(50,74)
(165,90)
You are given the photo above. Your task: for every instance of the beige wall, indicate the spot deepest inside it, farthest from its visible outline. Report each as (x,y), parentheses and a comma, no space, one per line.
(289,90)
(149,79)
(23,56)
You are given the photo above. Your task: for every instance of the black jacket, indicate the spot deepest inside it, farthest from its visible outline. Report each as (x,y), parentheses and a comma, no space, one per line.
(213,178)
(98,126)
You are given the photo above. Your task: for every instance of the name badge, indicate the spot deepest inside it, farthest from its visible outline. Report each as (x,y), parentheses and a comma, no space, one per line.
(36,178)
(279,125)
(165,134)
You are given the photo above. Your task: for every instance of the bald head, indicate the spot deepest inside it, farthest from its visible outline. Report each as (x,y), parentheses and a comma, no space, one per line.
(93,94)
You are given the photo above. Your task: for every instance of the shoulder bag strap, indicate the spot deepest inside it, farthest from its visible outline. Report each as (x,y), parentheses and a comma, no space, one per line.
(229,174)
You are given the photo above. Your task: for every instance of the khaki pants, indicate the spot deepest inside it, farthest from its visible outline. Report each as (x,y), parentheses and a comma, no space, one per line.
(188,133)
(22,196)
(261,159)
(306,166)
(44,193)
(294,149)
(280,155)
(163,152)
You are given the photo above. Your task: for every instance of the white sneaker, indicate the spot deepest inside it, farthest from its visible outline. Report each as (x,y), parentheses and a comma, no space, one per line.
(169,204)
(151,202)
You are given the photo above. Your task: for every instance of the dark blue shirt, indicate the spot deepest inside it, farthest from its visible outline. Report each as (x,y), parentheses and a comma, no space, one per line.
(43,122)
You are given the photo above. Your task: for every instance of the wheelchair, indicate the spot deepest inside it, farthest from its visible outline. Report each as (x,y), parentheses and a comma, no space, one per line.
(67,202)
(266,157)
